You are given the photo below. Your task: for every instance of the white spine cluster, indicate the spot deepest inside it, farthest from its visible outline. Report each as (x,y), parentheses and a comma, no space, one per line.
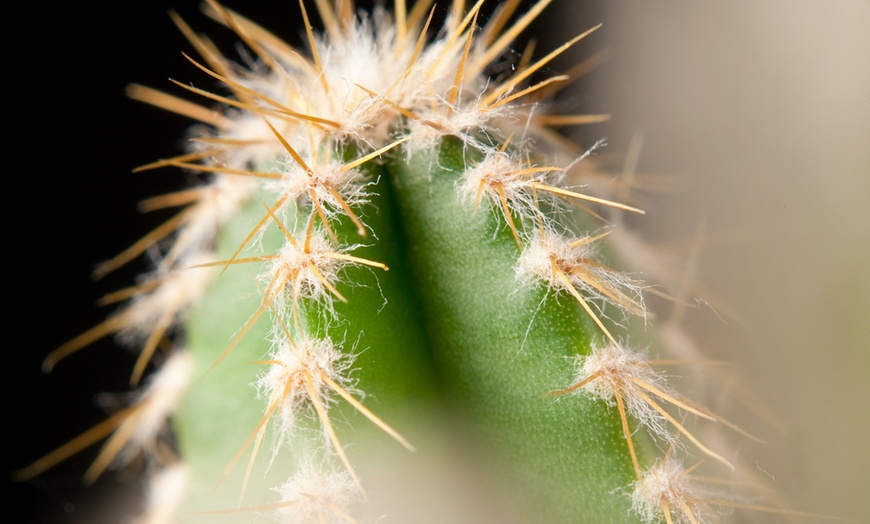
(307,271)
(299,378)
(573,266)
(164,495)
(612,372)
(316,496)
(667,492)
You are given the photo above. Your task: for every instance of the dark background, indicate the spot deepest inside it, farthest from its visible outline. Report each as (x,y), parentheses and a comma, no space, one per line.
(75,141)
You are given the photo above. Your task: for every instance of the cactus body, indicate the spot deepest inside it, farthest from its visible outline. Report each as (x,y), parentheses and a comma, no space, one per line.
(385,256)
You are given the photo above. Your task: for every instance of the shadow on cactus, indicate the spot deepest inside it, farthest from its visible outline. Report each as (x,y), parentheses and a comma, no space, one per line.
(391,297)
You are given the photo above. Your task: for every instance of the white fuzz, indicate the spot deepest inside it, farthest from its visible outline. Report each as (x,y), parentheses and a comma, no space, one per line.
(328,185)
(258,147)
(363,56)
(463,122)
(164,494)
(349,73)
(315,497)
(154,307)
(142,423)
(297,380)
(335,84)
(161,308)
(306,270)
(218,201)
(360,79)
(506,182)
(160,399)
(666,491)
(572,265)
(612,371)
(623,378)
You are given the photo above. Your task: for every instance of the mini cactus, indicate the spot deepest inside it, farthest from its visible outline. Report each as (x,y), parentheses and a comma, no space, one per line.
(390,266)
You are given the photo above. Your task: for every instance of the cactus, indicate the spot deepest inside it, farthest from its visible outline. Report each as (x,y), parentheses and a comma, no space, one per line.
(388,257)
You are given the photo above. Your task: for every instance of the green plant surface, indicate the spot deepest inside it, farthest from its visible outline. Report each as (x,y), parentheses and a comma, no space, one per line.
(502,344)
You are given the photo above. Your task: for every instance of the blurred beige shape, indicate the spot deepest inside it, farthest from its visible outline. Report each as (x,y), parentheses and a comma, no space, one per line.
(764,108)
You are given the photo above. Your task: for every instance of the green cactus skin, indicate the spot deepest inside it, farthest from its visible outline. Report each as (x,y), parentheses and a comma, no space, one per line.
(393,364)
(501,346)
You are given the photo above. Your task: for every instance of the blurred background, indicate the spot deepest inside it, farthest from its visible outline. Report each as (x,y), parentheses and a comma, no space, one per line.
(763,111)
(756,113)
